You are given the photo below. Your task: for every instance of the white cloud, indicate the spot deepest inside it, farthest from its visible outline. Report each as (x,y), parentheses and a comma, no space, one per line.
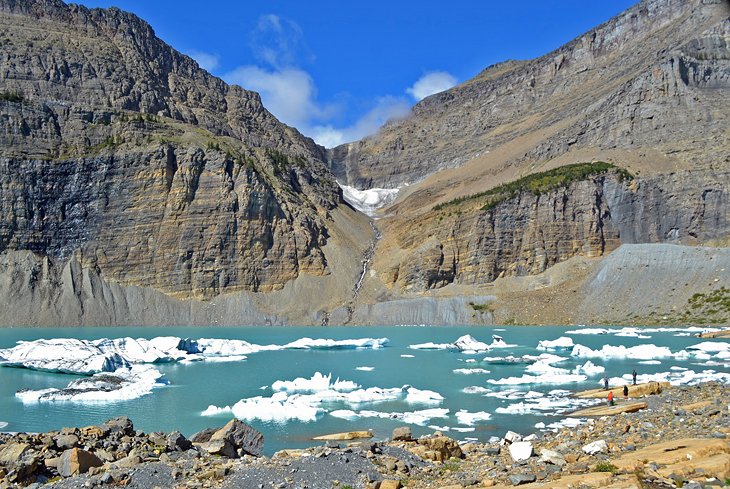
(208,61)
(386,108)
(430,83)
(279,42)
(289,94)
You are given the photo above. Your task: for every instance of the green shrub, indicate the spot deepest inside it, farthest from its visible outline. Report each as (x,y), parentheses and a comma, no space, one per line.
(605,467)
(540,183)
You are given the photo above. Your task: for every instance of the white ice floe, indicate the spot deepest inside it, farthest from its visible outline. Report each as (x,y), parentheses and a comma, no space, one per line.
(475,389)
(589,368)
(465,344)
(417,396)
(407,356)
(422,417)
(639,352)
(120,385)
(466,418)
(317,383)
(675,377)
(470,371)
(370,200)
(365,369)
(710,347)
(305,399)
(3,425)
(509,360)
(642,332)
(589,331)
(86,357)
(463,429)
(562,343)
(546,378)
(650,362)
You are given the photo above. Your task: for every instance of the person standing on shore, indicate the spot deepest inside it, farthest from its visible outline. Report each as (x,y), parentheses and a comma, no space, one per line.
(610,398)
(626,392)
(633,374)
(605,383)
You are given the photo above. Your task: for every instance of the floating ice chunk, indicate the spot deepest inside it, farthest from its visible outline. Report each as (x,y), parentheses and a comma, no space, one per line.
(589,331)
(469,343)
(431,346)
(475,389)
(326,344)
(417,396)
(345,414)
(509,360)
(470,371)
(710,347)
(547,378)
(589,368)
(215,411)
(439,428)
(370,200)
(120,385)
(540,425)
(3,425)
(469,419)
(317,383)
(463,429)
(650,362)
(639,352)
(67,355)
(278,408)
(562,343)
(365,369)
(421,417)
(407,356)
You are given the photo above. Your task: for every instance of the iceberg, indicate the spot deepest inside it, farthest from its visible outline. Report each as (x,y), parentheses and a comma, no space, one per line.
(466,418)
(710,347)
(121,385)
(640,352)
(562,343)
(465,344)
(66,355)
(317,383)
(365,369)
(470,371)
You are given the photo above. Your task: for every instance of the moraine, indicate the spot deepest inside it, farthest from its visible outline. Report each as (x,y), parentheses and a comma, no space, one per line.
(296,383)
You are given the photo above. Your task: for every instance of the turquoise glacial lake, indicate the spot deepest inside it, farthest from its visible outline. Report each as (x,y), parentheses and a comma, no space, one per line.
(192,387)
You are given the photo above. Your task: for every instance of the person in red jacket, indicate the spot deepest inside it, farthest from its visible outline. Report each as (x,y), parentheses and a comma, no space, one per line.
(610,398)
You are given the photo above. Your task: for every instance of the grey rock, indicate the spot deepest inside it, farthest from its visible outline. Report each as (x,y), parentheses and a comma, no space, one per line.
(240,436)
(402,433)
(518,479)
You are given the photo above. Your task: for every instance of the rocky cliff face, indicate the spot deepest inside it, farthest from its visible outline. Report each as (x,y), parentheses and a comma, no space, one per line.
(656,76)
(122,153)
(470,243)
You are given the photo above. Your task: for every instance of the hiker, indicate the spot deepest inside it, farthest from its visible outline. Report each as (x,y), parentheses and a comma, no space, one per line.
(626,392)
(633,374)
(605,383)
(610,398)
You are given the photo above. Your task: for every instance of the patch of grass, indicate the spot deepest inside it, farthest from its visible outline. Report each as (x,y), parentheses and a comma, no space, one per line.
(540,183)
(488,307)
(605,467)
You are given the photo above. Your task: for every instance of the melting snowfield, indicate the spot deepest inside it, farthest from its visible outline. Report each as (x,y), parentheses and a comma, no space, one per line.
(462,383)
(370,200)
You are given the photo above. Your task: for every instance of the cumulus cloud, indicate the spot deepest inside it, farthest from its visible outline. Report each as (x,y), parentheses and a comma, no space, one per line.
(430,83)
(289,93)
(279,42)
(386,108)
(208,61)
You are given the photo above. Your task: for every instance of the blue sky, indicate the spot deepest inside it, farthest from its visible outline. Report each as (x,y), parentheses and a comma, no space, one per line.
(337,70)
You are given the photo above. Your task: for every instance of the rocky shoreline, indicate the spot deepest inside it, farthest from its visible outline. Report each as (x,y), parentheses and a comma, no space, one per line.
(679,440)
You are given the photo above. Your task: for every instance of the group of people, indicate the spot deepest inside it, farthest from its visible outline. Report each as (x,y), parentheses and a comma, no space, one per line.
(610,392)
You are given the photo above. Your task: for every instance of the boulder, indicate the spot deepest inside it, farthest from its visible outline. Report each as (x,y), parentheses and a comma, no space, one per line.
(517,479)
(19,460)
(389,484)
(241,436)
(221,447)
(66,441)
(437,448)
(402,433)
(552,457)
(203,436)
(520,450)
(76,461)
(122,425)
(176,442)
(599,446)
